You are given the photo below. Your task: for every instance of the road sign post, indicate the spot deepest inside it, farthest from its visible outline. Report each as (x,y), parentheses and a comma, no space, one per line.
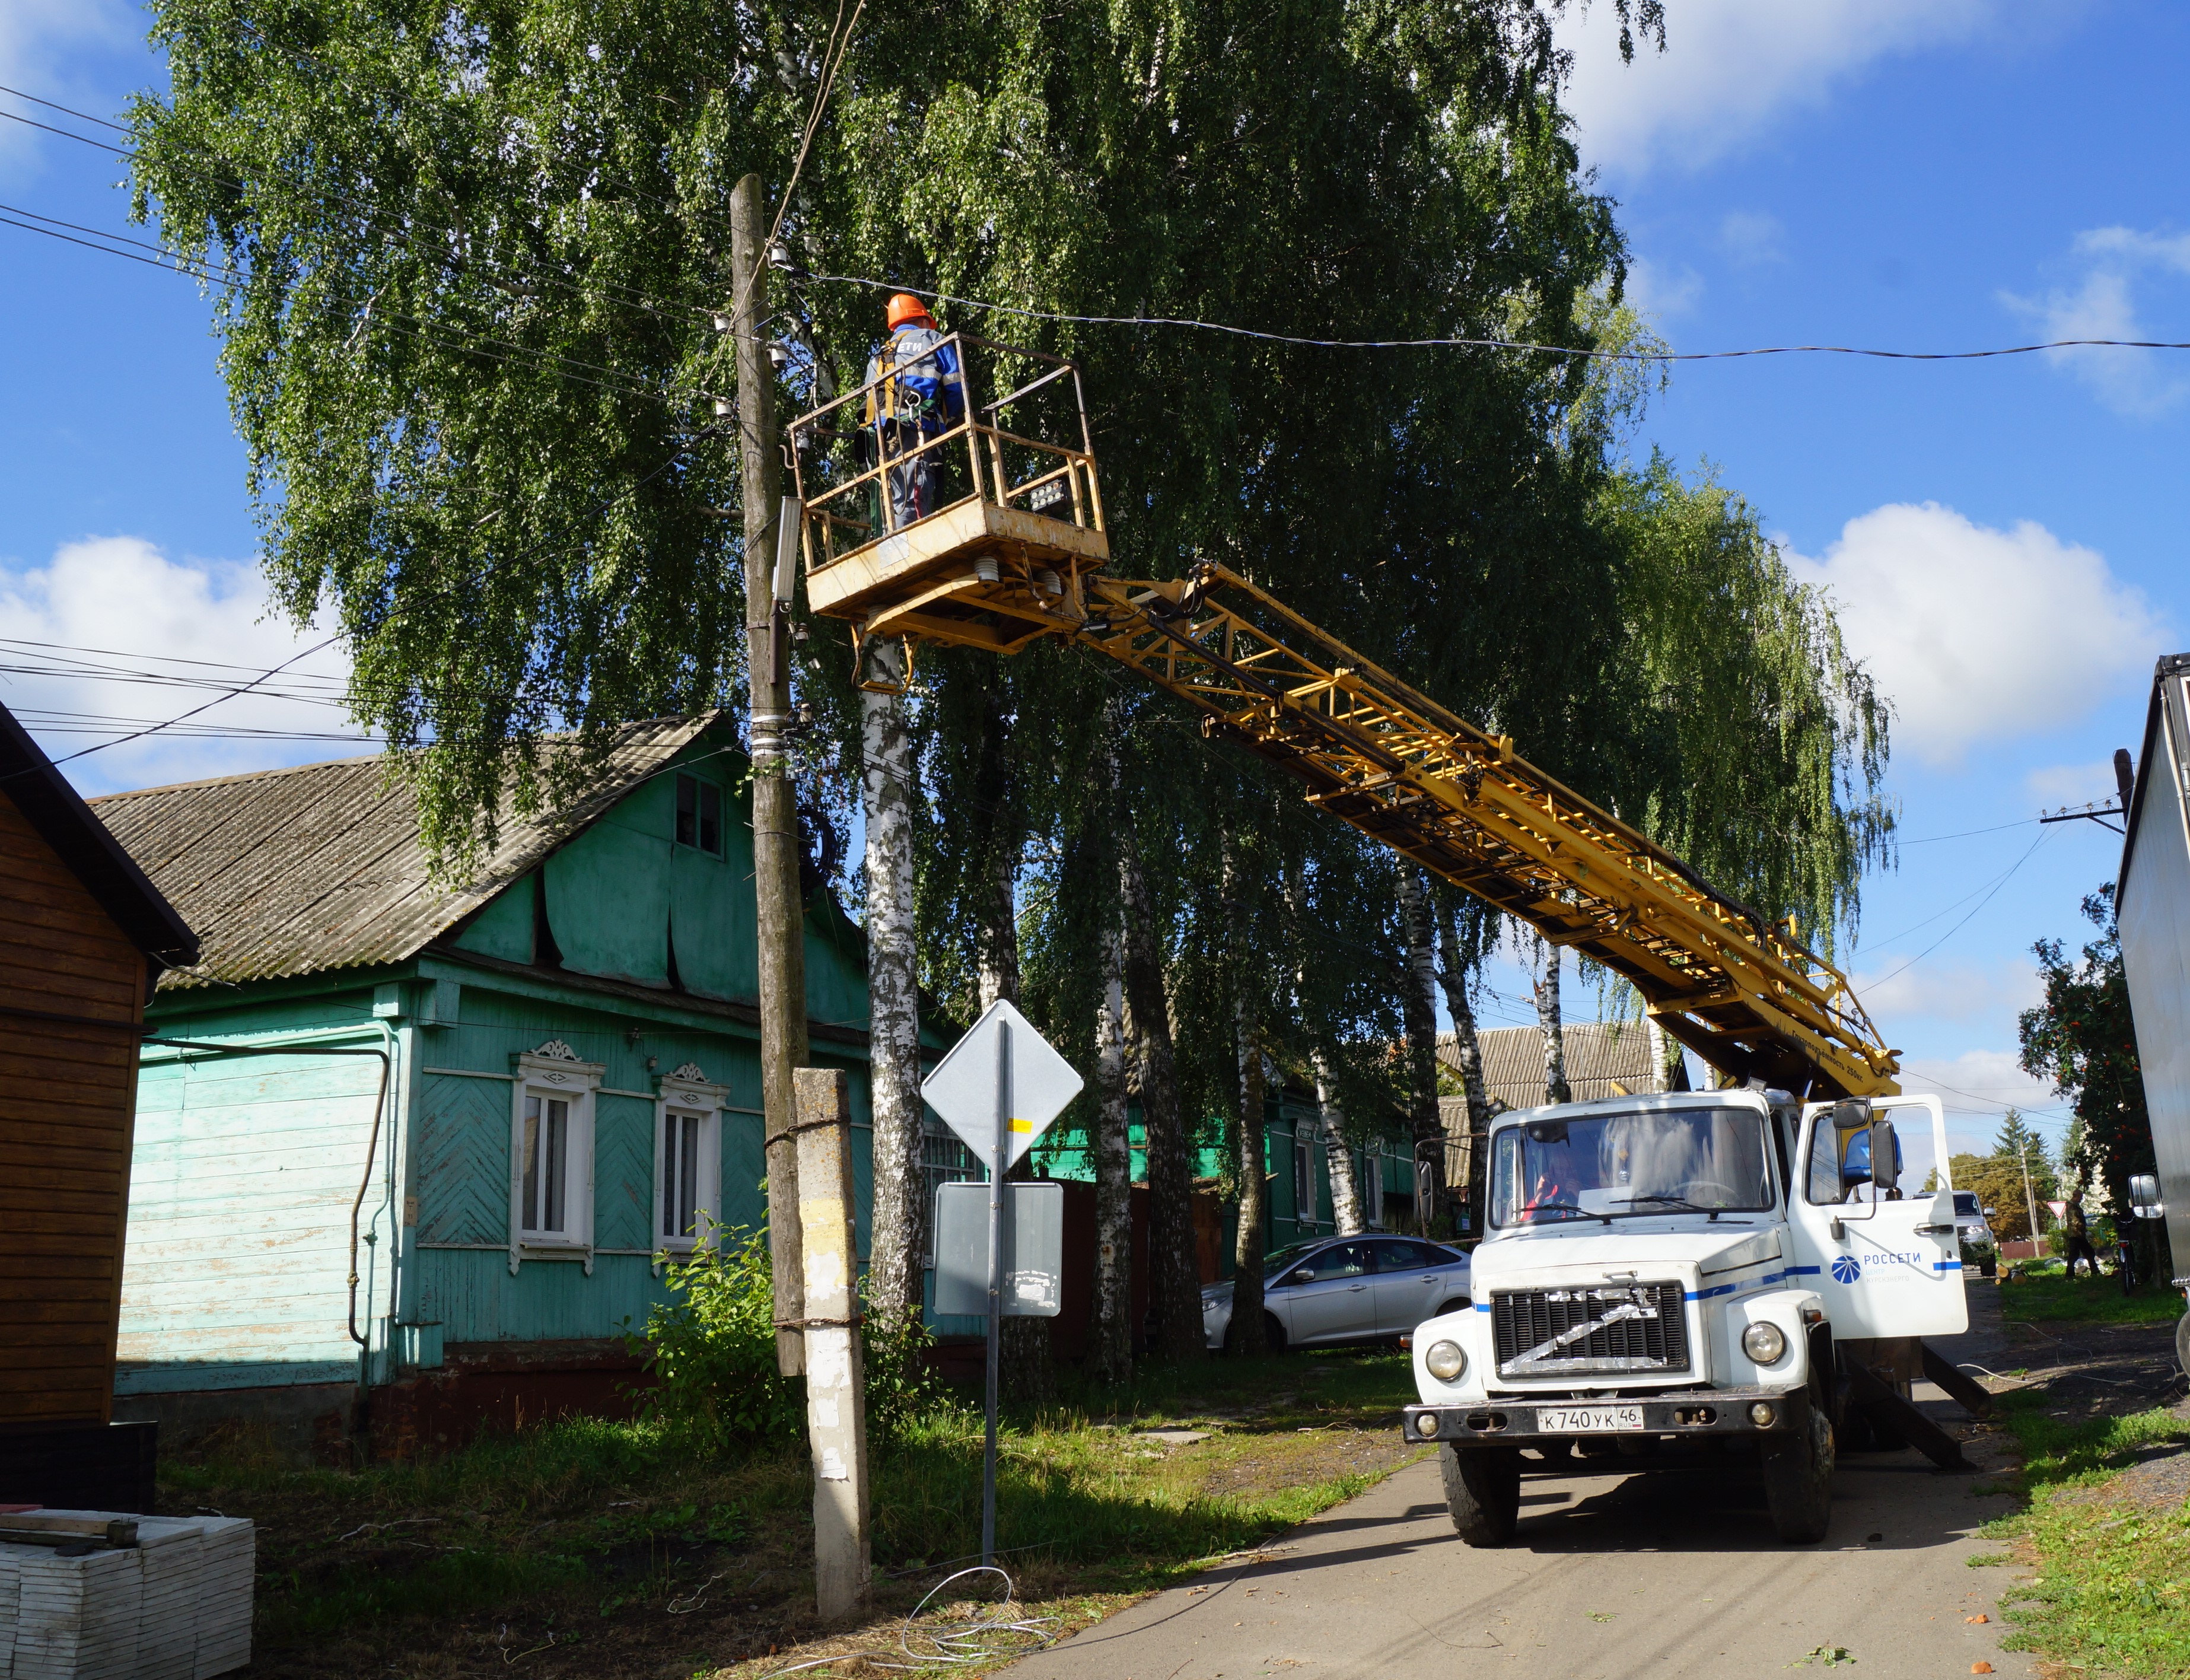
(998,1089)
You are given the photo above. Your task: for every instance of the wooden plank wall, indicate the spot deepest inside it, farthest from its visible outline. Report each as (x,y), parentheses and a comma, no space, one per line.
(239,1250)
(67,1093)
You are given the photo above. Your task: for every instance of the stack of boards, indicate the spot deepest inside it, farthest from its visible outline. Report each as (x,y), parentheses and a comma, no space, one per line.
(175,1606)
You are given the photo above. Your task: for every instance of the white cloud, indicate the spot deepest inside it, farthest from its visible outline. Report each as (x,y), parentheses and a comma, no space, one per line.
(1979,634)
(1752,238)
(2107,267)
(117,631)
(39,41)
(2057,785)
(1733,68)
(1656,293)
(1976,1088)
(1942,992)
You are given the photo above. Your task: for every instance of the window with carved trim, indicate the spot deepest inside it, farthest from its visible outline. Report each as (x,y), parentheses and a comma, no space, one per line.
(551,1151)
(686,1155)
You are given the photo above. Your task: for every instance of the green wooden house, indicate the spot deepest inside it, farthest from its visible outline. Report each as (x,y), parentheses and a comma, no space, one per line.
(407,1152)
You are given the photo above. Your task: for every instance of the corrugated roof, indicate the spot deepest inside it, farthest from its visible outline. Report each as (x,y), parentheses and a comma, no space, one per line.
(1604,1058)
(299,870)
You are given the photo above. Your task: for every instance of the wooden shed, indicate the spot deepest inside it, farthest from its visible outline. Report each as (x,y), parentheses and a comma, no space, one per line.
(83,935)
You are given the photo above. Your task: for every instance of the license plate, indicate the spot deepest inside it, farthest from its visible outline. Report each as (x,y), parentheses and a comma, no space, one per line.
(1587,1420)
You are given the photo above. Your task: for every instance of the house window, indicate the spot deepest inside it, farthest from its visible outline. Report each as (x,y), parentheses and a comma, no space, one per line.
(1372,1183)
(943,1161)
(1303,1174)
(687,1170)
(700,815)
(545,1151)
(551,1154)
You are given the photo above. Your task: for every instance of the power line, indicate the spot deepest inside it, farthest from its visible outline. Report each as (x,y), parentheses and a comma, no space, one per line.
(1500,344)
(1964,923)
(405,230)
(155,729)
(1997,828)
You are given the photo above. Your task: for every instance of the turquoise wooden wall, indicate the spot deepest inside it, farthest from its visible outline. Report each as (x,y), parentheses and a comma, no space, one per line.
(246,1167)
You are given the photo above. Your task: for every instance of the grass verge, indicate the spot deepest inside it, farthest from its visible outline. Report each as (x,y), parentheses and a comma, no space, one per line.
(2050,1297)
(616,1552)
(2113,1584)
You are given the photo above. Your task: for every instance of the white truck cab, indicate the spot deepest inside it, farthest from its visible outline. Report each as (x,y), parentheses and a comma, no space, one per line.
(1688,1280)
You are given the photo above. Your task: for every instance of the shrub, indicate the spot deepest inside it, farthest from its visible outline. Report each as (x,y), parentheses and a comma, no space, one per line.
(713,1344)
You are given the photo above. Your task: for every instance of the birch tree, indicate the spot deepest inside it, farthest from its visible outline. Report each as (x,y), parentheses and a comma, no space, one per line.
(900,1216)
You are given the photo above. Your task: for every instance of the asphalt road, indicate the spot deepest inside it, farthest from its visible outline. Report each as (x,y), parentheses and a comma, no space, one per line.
(1610,1577)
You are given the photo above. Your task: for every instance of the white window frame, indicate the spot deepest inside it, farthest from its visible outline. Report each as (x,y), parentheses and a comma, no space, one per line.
(687,1092)
(1304,1196)
(553,1072)
(1372,1184)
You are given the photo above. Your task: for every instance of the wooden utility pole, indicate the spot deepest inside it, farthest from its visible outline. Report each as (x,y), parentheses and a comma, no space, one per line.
(836,1358)
(782,914)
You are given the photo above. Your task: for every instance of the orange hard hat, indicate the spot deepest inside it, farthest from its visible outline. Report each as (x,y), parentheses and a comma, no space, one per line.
(903,308)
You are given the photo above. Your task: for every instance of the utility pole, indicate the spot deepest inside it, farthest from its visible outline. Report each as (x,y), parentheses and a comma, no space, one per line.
(836,1358)
(2029,1201)
(782,914)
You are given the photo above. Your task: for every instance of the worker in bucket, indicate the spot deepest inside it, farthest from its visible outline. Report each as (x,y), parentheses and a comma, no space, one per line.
(916,392)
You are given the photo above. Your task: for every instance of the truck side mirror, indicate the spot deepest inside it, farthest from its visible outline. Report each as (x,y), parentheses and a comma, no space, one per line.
(1885,1158)
(2144,1196)
(1852,1114)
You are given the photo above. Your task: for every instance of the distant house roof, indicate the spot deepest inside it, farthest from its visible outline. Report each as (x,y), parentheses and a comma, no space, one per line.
(295,872)
(98,859)
(1604,1058)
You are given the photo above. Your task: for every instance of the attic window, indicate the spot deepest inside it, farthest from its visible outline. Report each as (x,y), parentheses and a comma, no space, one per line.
(700,815)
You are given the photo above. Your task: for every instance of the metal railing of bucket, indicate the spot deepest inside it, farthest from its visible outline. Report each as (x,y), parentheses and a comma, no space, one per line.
(846,502)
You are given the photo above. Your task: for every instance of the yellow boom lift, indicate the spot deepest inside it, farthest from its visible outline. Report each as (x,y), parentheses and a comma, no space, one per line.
(1014,556)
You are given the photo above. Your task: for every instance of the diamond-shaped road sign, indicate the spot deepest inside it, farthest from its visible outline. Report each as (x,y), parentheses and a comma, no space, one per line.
(963,1089)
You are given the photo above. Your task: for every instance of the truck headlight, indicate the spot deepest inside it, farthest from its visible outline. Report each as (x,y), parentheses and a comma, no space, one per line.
(1764,1343)
(1445,1361)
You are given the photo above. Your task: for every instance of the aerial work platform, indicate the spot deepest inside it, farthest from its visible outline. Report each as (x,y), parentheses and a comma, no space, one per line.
(1002,560)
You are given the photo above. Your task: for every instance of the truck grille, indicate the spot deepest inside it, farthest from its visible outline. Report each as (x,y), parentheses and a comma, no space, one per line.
(1624,1327)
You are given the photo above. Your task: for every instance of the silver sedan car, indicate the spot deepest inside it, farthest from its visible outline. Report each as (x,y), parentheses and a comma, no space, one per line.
(1341,1290)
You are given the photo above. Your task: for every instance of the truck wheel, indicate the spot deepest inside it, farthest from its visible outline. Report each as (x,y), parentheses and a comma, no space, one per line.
(1483,1492)
(2183,1342)
(1798,1483)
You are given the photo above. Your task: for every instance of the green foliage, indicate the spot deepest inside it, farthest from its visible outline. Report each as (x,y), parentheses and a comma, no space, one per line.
(2112,1578)
(2051,1296)
(1750,742)
(902,1388)
(712,1347)
(2082,1040)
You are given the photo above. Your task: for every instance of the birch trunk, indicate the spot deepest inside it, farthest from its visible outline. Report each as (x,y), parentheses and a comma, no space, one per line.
(1111,1336)
(1248,1150)
(1247,1334)
(1110,1339)
(1418,1011)
(900,1201)
(1467,1048)
(1174,1279)
(1345,1183)
(1663,1049)
(1548,1019)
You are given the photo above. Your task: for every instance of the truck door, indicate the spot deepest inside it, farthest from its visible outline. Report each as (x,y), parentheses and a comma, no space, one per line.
(1871,1248)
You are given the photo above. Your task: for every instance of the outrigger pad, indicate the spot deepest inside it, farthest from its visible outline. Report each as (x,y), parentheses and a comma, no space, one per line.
(1881,1401)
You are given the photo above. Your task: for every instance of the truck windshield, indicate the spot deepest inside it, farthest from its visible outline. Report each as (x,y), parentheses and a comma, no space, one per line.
(1594,1166)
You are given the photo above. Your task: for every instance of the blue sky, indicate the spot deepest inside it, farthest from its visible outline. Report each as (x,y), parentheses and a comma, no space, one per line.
(2003,538)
